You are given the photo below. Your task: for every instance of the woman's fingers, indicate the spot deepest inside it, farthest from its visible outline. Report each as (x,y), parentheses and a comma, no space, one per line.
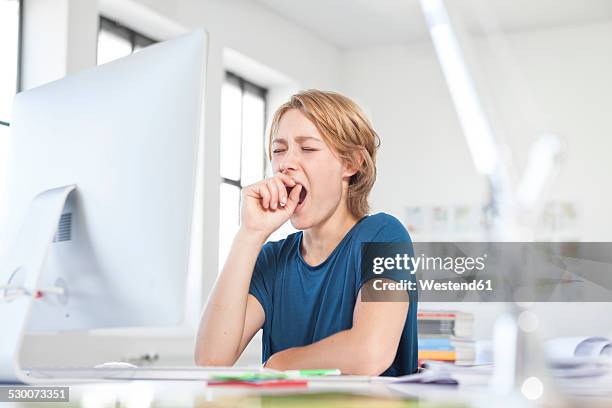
(282,191)
(264,192)
(284,181)
(273,187)
(293,199)
(287,181)
(273,191)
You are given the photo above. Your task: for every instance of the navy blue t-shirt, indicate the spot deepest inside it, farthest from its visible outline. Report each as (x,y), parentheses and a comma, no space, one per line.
(304,304)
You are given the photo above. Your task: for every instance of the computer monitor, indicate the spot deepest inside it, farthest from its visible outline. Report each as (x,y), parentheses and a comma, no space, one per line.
(126,134)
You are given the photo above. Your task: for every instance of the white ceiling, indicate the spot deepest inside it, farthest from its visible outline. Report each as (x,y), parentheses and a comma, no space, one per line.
(357,23)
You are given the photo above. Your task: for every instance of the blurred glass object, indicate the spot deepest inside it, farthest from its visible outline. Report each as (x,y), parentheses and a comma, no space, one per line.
(474,122)
(542,165)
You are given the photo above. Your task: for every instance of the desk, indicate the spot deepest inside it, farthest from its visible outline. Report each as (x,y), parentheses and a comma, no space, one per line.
(317,394)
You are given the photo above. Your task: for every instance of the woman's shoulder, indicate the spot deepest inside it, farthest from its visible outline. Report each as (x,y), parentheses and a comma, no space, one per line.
(383,227)
(382,220)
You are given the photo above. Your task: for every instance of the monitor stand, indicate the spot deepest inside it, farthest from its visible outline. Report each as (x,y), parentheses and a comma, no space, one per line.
(23,269)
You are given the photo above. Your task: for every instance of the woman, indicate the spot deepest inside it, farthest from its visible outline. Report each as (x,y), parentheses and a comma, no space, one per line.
(305,291)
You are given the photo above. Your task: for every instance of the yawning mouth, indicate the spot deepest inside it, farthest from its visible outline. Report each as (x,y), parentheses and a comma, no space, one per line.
(303,194)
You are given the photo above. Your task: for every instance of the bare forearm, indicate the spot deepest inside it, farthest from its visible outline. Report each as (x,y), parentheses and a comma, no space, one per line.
(222,323)
(348,350)
(368,348)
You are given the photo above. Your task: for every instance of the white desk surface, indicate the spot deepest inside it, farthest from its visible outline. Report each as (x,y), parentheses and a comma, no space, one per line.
(140,393)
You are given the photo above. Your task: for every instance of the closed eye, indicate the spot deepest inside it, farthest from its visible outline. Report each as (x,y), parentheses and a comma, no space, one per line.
(278,151)
(309,149)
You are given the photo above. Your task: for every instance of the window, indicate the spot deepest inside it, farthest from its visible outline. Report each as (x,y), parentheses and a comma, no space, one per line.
(9,60)
(243,111)
(116,41)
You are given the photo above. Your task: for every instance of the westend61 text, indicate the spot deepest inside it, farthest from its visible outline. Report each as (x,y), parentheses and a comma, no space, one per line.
(432,285)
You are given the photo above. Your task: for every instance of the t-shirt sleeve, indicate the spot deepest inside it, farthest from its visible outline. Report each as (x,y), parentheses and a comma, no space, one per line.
(392,231)
(262,281)
(389,240)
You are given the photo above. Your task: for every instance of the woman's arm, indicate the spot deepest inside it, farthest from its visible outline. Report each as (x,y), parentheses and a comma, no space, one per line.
(368,348)
(232,316)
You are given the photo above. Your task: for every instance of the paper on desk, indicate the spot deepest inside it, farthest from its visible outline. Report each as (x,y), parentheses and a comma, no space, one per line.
(338,378)
(597,386)
(476,368)
(556,350)
(565,347)
(581,371)
(425,377)
(145,373)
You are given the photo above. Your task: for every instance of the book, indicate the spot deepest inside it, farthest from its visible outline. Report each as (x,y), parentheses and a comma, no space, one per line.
(440,355)
(445,323)
(446,335)
(435,343)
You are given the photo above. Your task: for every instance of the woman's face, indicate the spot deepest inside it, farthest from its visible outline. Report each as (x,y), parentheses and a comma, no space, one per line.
(299,151)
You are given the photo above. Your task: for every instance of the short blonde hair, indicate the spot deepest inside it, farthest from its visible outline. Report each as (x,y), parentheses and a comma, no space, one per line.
(347,130)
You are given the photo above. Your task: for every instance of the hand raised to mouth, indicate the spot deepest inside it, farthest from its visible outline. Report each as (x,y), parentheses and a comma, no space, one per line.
(268,204)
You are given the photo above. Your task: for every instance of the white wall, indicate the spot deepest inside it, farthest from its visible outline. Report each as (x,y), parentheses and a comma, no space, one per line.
(568,73)
(424,158)
(422,148)
(58,38)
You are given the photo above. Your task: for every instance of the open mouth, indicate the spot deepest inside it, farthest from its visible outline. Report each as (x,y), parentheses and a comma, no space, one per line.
(303,194)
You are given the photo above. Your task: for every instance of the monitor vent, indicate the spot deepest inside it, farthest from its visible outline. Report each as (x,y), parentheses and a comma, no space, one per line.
(64,230)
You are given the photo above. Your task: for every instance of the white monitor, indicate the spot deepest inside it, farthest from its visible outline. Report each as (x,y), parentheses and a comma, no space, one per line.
(126,134)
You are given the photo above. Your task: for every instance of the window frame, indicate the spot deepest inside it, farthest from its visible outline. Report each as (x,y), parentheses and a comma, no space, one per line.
(245,87)
(20,48)
(18,79)
(243,84)
(129,34)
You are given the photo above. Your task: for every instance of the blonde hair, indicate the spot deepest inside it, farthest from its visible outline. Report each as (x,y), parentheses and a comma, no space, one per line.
(347,130)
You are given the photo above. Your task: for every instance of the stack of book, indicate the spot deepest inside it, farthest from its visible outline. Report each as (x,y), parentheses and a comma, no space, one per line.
(446,335)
